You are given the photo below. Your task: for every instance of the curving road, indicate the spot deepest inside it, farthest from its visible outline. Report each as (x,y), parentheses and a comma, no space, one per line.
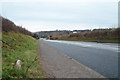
(100,57)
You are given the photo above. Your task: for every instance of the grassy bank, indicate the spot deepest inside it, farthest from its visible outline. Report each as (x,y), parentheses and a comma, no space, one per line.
(105,40)
(24,47)
(0,54)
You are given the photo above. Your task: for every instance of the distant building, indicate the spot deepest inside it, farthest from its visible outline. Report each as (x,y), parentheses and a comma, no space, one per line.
(74,32)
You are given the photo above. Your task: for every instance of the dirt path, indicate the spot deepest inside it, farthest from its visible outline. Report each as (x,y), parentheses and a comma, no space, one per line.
(58,65)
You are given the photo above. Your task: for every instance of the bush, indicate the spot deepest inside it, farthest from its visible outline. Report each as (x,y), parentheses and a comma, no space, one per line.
(8,26)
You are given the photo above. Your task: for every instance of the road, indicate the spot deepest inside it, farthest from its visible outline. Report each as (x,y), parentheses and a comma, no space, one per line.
(100,57)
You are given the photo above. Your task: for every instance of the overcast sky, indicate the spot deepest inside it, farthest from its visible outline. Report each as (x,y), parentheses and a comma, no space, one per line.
(45,15)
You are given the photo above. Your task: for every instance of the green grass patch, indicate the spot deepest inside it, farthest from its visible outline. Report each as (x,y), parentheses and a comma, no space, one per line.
(23,47)
(106,40)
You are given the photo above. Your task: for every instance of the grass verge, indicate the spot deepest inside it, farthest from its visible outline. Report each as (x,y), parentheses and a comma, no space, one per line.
(105,40)
(23,47)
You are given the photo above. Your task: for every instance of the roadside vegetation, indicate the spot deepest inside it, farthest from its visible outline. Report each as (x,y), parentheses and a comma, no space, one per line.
(19,45)
(0,53)
(97,35)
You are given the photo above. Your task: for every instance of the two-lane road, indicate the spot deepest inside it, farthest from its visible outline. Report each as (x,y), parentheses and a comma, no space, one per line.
(101,57)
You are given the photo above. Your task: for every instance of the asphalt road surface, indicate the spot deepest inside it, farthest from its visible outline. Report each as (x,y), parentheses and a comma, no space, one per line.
(99,57)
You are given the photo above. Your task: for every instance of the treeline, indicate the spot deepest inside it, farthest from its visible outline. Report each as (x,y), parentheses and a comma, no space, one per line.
(8,25)
(98,35)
